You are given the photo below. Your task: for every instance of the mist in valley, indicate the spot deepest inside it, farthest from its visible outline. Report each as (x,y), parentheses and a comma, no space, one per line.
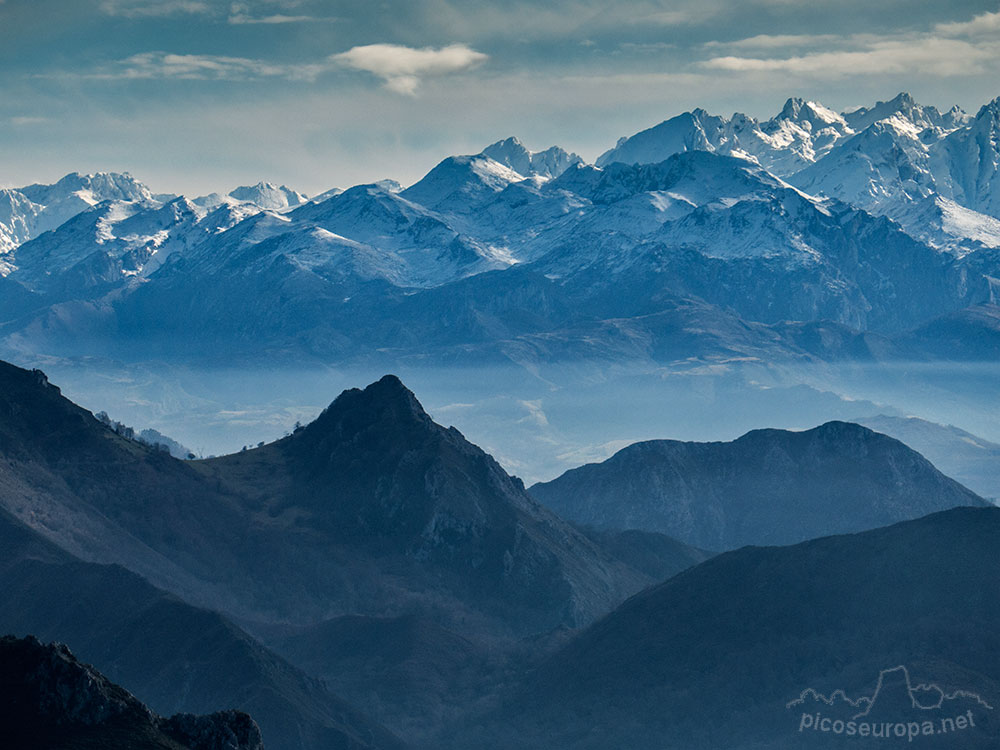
(542,421)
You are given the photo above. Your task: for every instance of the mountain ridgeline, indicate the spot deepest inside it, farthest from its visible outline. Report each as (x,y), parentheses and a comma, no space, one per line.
(767,487)
(48,699)
(371,509)
(372,515)
(878,231)
(442,606)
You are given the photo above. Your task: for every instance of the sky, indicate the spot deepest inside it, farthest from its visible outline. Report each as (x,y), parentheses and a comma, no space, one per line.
(195,96)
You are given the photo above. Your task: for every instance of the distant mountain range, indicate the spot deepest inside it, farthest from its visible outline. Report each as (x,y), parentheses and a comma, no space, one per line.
(767,487)
(811,236)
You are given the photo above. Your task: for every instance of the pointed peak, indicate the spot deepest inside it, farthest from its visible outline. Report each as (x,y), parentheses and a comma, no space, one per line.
(388,185)
(792,108)
(990,109)
(903,99)
(507,148)
(504,144)
(268,195)
(389,388)
(386,404)
(389,383)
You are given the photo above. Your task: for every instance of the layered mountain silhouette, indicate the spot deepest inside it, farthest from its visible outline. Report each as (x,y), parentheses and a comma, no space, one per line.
(767,487)
(397,561)
(175,657)
(712,657)
(372,509)
(50,700)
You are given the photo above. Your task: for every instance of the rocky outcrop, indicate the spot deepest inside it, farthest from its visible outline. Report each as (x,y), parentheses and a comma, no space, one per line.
(50,699)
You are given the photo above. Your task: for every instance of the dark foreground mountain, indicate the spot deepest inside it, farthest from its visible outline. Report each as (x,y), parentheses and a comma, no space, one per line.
(49,700)
(176,658)
(767,487)
(741,651)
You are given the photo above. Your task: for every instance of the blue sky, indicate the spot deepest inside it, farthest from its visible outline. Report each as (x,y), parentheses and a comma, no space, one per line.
(199,95)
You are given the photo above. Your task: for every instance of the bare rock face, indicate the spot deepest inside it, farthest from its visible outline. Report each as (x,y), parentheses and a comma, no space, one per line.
(49,699)
(48,684)
(224,730)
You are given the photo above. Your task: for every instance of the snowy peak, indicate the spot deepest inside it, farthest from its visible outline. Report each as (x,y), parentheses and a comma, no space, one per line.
(955,118)
(106,244)
(460,183)
(785,144)
(90,189)
(268,196)
(812,114)
(18,218)
(989,111)
(549,163)
(74,193)
(694,177)
(690,131)
(968,162)
(510,152)
(883,169)
(906,107)
(417,247)
(798,136)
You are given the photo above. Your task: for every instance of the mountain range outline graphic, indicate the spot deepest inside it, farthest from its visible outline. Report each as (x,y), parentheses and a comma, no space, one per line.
(894,689)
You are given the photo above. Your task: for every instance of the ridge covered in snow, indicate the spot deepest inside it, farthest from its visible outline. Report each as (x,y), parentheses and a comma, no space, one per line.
(878,220)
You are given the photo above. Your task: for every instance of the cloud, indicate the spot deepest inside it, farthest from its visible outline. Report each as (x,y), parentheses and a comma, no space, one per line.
(776,41)
(25,120)
(206,67)
(153,8)
(402,68)
(240,18)
(535,413)
(675,17)
(242,13)
(946,50)
(917,54)
(647,47)
(986,23)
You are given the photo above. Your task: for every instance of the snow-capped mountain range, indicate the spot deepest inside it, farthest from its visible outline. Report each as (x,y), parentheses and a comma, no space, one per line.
(876,221)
